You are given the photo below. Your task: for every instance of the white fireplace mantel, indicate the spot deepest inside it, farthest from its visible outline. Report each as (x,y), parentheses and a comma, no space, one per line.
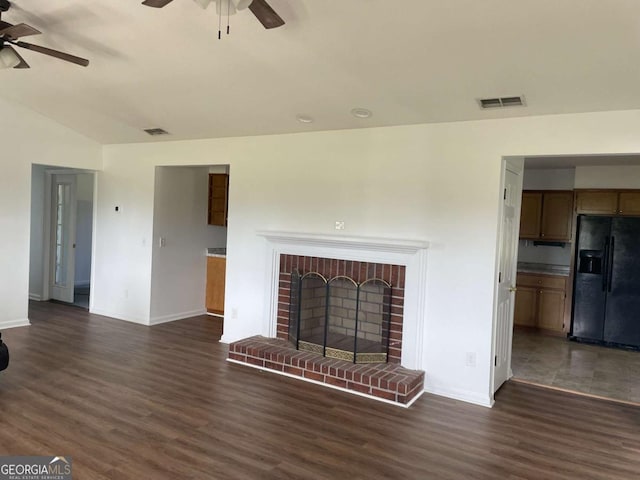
(408,252)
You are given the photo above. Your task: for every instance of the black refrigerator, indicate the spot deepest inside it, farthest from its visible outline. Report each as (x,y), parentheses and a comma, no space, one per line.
(606,299)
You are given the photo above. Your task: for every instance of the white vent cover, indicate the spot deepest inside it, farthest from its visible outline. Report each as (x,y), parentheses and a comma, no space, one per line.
(500,102)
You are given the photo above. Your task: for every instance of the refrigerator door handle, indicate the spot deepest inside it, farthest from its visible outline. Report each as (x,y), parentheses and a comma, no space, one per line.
(605,267)
(610,262)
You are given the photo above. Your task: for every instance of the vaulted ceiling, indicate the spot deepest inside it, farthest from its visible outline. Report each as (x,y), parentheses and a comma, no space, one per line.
(409,61)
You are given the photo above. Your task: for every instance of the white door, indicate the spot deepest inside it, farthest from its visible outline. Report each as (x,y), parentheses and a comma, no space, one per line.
(63,234)
(507,267)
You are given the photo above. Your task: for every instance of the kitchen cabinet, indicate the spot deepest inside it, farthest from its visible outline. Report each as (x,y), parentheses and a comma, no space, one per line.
(540,301)
(216,269)
(218,199)
(608,202)
(531,215)
(546,215)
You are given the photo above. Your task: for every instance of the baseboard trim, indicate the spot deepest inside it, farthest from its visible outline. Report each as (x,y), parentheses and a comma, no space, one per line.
(119,316)
(21,322)
(322,384)
(463,395)
(176,316)
(35,296)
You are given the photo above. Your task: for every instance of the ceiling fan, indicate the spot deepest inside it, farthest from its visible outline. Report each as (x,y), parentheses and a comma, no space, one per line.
(10,35)
(260,8)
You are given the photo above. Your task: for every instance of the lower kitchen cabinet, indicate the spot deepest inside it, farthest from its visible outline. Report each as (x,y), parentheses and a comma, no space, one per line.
(216,268)
(540,301)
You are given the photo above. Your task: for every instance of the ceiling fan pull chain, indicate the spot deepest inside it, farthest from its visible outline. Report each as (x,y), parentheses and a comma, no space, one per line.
(220,21)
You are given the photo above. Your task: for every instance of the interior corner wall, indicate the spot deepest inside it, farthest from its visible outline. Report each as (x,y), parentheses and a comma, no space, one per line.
(27,138)
(84,227)
(437,182)
(36,288)
(178,276)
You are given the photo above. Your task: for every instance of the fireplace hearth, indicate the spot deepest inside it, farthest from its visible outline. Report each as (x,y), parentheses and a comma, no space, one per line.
(340,320)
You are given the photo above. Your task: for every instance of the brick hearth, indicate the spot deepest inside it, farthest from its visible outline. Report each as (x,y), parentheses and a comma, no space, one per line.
(388,381)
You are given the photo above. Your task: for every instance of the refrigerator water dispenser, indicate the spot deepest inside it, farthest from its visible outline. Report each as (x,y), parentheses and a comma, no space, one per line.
(590,262)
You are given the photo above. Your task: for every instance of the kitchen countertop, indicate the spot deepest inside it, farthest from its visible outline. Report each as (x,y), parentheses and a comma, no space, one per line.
(524,267)
(219,252)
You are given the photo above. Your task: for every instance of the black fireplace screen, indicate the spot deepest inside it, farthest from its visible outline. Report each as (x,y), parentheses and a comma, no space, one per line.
(340,318)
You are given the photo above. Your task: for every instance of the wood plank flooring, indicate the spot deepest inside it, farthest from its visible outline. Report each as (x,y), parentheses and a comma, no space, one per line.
(132,402)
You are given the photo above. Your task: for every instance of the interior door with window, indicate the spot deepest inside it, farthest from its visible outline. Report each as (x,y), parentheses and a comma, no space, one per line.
(507,268)
(63,224)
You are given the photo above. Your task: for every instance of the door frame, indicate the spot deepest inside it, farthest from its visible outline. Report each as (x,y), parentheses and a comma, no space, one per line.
(516,163)
(47,236)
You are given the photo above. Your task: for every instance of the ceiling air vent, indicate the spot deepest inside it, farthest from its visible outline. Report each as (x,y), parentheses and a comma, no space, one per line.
(500,102)
(156,131)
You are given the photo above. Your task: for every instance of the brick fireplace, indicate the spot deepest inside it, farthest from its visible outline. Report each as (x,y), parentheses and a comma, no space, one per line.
(364,316)
(371,285)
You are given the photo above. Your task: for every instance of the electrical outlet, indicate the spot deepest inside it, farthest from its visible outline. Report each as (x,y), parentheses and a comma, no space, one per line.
(339,225)
(234,313)
(470,359)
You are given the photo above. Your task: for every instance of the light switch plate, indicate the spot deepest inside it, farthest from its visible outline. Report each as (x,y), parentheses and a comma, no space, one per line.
(339,225)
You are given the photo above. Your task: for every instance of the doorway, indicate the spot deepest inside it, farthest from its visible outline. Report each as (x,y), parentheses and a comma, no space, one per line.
(542,352)
(61,235)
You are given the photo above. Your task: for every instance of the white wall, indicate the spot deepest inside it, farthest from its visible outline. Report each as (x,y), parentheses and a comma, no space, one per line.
(621,176)
(37,232)
(443,187)
(178,280)
(548,179)
(26,138)
(84,226)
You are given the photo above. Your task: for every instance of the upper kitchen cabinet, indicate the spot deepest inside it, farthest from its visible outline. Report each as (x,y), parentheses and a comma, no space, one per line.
(608,202)
(546,215)
(531,215)
(218,198)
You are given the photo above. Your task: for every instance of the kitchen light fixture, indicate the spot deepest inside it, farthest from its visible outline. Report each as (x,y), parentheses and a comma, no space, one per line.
(361,113)
(8,58)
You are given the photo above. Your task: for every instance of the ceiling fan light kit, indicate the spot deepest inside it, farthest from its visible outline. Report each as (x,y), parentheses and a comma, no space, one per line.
(10,35)
(260,8)
(8,58)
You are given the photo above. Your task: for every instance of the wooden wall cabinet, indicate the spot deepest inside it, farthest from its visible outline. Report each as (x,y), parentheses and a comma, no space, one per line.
(608,202)
(218,199)
(546,215)
(531,215)
(216,269)
(540,301)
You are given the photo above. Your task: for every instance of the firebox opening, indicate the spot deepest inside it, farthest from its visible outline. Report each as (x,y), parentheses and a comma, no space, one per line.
(340,318)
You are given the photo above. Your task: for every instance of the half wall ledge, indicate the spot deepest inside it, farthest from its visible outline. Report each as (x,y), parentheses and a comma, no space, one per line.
(387,382)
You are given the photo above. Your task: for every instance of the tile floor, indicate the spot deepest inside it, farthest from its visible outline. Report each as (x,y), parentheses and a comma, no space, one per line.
(557,362)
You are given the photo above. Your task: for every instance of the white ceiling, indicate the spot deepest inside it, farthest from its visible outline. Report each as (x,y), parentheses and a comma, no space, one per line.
(409,61)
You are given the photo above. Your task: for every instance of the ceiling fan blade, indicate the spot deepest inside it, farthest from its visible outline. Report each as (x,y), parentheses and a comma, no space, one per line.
(54,53)
(22,63)
(156,3)
(19,30)
(267,15)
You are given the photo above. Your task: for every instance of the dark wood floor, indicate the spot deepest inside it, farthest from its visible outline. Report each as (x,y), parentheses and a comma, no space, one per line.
(133,402)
